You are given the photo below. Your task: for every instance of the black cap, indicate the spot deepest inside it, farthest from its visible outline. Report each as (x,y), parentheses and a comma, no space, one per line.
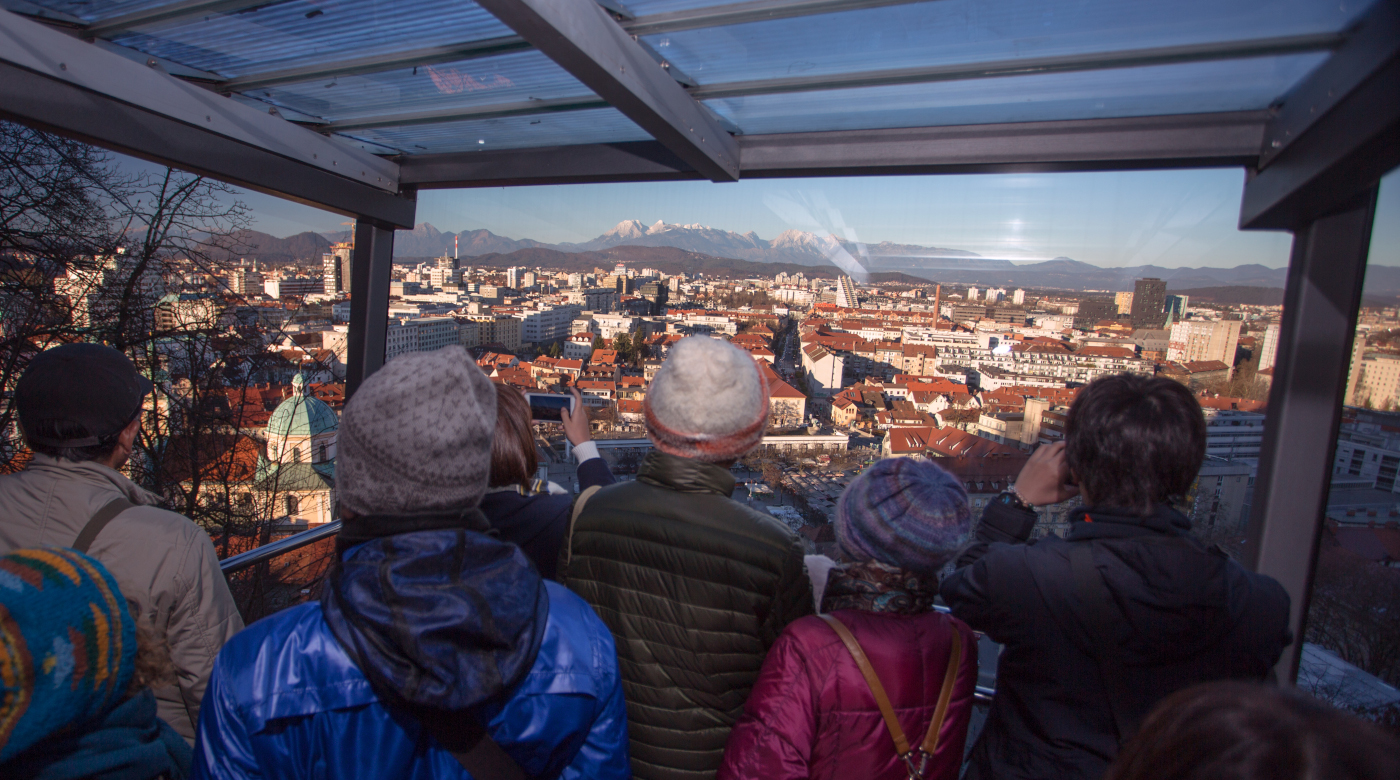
(95,390)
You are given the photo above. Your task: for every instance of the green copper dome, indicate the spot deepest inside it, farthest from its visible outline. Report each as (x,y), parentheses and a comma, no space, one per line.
(303,414)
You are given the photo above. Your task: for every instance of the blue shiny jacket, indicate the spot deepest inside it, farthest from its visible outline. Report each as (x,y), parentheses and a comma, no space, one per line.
(285,701)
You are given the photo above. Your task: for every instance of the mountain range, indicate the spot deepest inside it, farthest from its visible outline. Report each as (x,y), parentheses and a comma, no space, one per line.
(731,253)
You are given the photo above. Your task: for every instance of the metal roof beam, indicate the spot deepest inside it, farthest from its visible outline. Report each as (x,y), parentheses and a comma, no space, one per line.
(494,111)
(59,83)
(711,16)
(1195,140)
(187,9)
(584,40)
(1336,134)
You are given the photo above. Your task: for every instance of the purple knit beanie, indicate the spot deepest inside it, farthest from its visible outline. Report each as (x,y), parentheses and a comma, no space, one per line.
(903,512)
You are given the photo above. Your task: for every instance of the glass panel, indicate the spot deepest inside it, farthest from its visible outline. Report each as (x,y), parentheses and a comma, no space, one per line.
(968,31)
(1234,85)
(510,78)
(300,32)
(603,125)
(1352,631)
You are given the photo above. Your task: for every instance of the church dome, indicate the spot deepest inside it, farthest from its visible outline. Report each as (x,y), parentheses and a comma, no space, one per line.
(303,414)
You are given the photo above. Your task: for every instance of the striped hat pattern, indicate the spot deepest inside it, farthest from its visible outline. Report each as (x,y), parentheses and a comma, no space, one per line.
(67,644)
(709,401)
(903,512)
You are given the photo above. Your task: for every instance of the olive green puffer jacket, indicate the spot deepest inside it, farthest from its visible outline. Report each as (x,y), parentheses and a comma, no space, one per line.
(695,587)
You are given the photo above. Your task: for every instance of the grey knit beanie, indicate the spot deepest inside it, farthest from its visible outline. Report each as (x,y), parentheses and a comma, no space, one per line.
(709,401)
(416,437)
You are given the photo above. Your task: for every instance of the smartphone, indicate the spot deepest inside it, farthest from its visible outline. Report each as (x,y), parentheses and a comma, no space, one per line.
(546,407)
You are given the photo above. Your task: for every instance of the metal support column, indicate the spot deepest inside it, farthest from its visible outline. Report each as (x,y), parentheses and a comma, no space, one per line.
(371,262)
(1320,306)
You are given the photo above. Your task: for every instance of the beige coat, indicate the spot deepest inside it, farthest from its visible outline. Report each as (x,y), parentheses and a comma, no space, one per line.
(161,560)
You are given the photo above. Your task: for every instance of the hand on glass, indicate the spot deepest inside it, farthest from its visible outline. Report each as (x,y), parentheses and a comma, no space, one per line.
(576,428)
(1045,479)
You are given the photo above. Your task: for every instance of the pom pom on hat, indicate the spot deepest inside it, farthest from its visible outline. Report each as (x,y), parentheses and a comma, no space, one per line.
(709,401)
(903,512)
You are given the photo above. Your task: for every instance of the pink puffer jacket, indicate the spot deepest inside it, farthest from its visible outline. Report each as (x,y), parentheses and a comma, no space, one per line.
(811,714)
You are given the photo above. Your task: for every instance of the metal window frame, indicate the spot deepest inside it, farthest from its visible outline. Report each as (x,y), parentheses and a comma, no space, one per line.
(64,85)
(583,39)
(1313,169)
(1325,151)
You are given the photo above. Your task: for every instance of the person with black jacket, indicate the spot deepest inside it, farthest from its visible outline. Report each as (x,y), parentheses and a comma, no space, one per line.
(535,517)
(1130,607)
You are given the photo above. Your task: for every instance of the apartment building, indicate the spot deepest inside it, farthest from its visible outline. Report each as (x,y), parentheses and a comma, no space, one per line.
(1201,340)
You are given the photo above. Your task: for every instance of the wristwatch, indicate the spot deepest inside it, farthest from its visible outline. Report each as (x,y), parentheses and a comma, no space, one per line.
(1011,498)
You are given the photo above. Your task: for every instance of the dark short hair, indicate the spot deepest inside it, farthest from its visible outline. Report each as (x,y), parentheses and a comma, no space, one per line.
(63,429)
(1248,731)
(1133,442)
(513,458)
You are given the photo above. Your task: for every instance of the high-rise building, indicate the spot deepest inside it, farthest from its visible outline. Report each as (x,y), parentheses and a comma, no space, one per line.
(1019,297)
(972,293)
(528,279)
(1268,351)
(330,274)
(513,277)
(344,250)
(1196,340)
(1149,303)
(846,293)
(1176,307)
(1125,302)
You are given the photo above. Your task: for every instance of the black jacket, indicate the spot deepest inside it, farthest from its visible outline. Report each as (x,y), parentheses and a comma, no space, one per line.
(1179,614)
(537,523)
(696,588)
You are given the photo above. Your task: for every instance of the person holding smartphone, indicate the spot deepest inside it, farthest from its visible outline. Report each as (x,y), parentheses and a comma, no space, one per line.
(536,516)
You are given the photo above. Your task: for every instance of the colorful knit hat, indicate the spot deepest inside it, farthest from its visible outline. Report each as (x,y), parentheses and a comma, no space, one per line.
(903,512)
(67,644)
(709,401)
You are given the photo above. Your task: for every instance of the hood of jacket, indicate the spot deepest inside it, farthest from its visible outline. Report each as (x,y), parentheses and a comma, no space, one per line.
(685,475)
(1175,596)
(442,619)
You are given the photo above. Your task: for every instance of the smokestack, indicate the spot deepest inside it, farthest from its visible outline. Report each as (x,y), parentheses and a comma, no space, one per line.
(454,248)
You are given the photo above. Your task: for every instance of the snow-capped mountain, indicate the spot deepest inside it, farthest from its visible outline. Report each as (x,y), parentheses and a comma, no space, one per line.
(790,246)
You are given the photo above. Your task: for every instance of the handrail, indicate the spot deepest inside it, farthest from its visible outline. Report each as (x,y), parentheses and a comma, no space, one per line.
(981,694)
(296,541)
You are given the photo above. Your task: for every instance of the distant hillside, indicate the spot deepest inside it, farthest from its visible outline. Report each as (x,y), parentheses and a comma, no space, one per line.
(301,249)
(1242,295)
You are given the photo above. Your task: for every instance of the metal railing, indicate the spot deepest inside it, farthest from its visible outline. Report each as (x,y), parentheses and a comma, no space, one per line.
(982,694)
(241,561)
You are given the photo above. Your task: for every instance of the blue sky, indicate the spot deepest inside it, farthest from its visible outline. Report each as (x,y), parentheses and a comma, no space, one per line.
(1165,218)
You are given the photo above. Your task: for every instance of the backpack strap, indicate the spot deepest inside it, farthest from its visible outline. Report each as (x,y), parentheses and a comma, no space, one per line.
(94,526)
(882,700)
(566,550)
(1093,596)
(474,749)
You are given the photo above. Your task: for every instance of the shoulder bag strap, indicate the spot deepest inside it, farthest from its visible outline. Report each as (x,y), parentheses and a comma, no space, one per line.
(99,521)
(487,760)
(1093,595)
(566,550)
(945,696)
(901,744)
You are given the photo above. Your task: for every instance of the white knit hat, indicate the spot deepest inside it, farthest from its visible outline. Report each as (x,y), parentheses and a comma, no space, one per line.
(708,402)
(416,437)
